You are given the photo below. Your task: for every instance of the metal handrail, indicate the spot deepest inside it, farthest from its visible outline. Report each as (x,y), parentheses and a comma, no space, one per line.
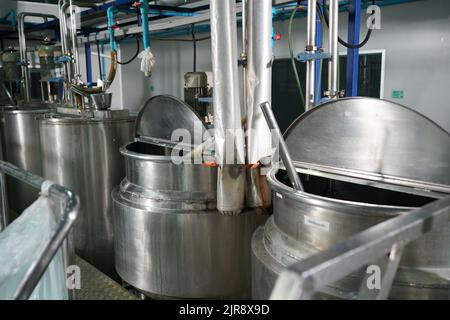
(385,240)
(71,207)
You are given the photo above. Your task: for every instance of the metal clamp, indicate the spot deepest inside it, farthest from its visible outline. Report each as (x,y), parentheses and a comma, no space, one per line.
(310,56)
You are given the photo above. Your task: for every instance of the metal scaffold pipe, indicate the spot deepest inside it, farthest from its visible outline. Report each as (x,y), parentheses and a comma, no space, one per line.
(311,47)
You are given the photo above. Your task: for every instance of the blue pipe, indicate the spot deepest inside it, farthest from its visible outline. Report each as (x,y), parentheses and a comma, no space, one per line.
(11,14)
(352,72)
(112,40)
(145,26)
(103,75)
(87,48)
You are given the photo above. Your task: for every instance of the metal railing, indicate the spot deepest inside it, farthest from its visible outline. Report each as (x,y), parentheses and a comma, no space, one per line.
(70,207)
(384,242)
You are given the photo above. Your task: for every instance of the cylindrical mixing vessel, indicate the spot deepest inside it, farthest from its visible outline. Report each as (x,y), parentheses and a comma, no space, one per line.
(170,240)
(22,147)
(363,161)
(83,155)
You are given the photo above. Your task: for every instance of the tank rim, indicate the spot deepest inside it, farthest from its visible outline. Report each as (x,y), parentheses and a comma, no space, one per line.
(289,192)
(79,120)
(148,157)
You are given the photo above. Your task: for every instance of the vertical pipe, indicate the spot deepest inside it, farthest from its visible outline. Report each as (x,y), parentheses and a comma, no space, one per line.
(258,87)
(73,32)
(24,59)
(333,64)
(319,63)
(112,40)
(354,20)
(244,53)
(87,49)
(145,27)
(311,47)
(4,202)
(259,78)
(229,137)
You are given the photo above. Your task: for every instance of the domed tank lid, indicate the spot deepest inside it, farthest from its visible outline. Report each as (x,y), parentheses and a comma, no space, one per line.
(373,141)
(162,115)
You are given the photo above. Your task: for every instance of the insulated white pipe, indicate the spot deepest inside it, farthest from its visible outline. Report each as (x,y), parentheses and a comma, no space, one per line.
(259,78)
(229,136)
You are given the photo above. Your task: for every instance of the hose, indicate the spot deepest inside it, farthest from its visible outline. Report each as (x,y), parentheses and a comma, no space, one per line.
(109,80)
(342,42)
(138,50)
(291,52)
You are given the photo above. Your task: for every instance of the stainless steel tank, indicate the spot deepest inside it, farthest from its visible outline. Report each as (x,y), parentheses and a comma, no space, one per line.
(22,147)
(170,240)
(362,161)
(82,153)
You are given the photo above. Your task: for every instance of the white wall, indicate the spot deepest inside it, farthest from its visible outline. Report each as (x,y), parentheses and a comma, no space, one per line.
(415,36)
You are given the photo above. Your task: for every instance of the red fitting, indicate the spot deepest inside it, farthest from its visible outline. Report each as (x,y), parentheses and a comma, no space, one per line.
(277,37)
(136,4)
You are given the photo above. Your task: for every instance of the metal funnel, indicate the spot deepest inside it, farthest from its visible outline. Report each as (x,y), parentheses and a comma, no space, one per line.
(102,101)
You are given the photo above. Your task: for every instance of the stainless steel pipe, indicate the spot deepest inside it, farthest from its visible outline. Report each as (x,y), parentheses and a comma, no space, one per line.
(333,86)
(23,49)
(311,47)
(284,152)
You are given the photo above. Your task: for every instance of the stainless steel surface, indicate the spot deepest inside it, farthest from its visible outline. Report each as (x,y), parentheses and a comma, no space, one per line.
(333,64)
(228,114)
(22,148)
(23,49)
(301,280)
(284,152)
(373,137)
(83,154)
(153,125)
(102,101)
(370,136)
(311,47)
(170,240)
(70,208)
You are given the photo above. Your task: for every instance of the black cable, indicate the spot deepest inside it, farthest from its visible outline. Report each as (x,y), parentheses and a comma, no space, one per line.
(138,50)
(182,40)
(342,42)
(194,41)
(99,58)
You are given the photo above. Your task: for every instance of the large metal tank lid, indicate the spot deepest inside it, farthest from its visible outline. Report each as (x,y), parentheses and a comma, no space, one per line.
(162,115)
(374,140)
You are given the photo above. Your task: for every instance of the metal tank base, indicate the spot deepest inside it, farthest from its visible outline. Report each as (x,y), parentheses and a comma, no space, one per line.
(198,255)
(82,153)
